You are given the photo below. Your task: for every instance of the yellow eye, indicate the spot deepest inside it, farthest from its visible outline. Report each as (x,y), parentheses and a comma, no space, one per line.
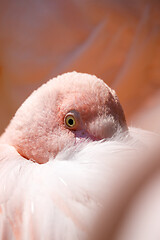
(70,121)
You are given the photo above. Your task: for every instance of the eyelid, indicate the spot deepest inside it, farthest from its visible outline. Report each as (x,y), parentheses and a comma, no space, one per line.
(73,113)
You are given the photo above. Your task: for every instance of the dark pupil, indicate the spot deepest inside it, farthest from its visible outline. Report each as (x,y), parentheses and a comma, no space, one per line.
(70,121)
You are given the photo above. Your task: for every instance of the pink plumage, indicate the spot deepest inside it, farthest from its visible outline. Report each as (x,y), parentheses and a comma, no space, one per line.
(79,155)
(38,131)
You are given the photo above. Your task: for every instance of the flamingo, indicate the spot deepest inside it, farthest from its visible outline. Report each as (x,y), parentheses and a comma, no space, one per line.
(61,158)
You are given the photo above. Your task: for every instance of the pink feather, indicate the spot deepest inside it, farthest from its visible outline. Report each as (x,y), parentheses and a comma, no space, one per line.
(63,198)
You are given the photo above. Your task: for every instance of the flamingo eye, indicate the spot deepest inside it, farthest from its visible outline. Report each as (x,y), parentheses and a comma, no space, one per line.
(70,121)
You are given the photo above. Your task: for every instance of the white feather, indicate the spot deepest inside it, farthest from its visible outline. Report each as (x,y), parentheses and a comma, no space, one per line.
(62,198)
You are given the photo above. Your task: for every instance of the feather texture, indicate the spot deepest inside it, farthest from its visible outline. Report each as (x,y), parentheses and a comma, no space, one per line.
(62,198)
(55,181)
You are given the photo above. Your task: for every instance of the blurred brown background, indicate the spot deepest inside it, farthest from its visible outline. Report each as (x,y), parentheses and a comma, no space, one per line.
(117,40)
